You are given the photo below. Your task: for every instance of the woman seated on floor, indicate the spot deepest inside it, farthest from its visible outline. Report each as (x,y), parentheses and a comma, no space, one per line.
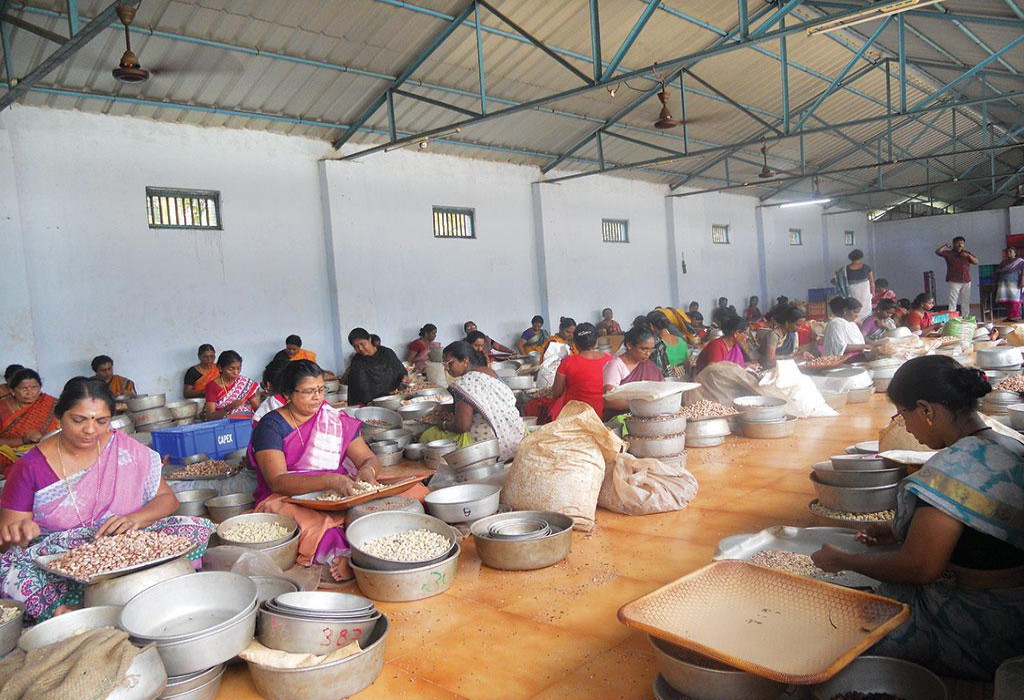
(781,338)
(231,395)
(564,336)
(842,334)
(103,366)
(726,348)
(5,388)
(919,319)
(875,325)
(293,351)
(304,446)
(419,349)
(958,528)
(580,377)
(491,344)
(198,376)
(484,407)
(25,417)
(375,370)
(676,352)
(608,325)
(478,341)
(634,365)
(532,339)
(85,482)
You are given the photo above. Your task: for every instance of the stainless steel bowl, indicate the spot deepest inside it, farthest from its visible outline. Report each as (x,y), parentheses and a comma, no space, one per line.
(337,679)
(194,686)
(1002,356)
(782,429)
(391,403)
(296,635)
(463,503)
(392,419)
(391,459)
(118,591)
(221,508)
(68,625)
(657,446)
(477,452)
(183,409)
(700,678)
(411,584)
(519,383)
(122,422)
(11,630)
(414,411)
(193,502)
(196,653)
(268,587)
(524,555)
(283,555)
(144,402)
(402,436)
(666,405)
(387,523)
(855,500)
(188,607)
(857,462)
(481,473)
(384,447)
(760,409)
(856,478)
(708,428)
(883,674)
(414,450)
(1016,413)
(152,416)
(671,424)
(283,520)
(326,602)
(332,385)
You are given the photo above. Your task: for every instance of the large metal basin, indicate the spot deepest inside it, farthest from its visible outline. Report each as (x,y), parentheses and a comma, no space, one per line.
(118,591)
(644,408)
(145,402)
(855,500)
(11,630)
(463,503)
(330,681)
(297,635)
(189,606)
(195,686)
(782,429)
(524,555)
(199,652)
(193,502)
(411,584)
(67,625)
(671,424)
(282,520)
(760,409)
(392,523)
(229,505)
(472,454)
(705,679)
(862,478)
(657,446)
(882,674)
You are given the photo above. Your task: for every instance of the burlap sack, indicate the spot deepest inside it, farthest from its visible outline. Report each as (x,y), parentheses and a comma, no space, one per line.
(635,486)
(88,665)
(560,467)
(264,656)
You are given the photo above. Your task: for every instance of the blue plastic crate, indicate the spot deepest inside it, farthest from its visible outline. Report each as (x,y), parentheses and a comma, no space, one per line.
(215,438)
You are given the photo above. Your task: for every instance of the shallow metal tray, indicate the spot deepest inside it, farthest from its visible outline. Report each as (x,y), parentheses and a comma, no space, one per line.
(171,468)
(802,540)
(43,562)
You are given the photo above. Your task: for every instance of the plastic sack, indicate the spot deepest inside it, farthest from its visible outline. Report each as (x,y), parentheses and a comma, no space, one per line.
(649,391)
(561,466)
(903,348)
(251,562)
(803,400)
(553,357)
(841,382)
(722,382)
(635,486)
(962,328)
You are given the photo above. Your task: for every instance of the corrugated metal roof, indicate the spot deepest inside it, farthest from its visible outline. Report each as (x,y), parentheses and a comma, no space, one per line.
(332,59)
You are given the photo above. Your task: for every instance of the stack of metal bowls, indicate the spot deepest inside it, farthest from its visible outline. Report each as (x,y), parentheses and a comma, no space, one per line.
(764,417)
(1004,358)
(998,404)
(839,489)
(700,678)
(463,503)
(149,412)
(145,677)
(397,581)
(435,450)
(203,685)
(184,412)
(523,540)
(122,422)
(385,420)
(828,474)
(220,508)
(661,437)
(388,452)
(336,391)
(196,621)
(315,622)
(120,589)
(882,371)
(470,459)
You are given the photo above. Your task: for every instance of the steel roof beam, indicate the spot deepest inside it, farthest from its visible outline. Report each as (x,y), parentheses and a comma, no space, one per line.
(436,103)
(928,13)
(411,68)
(779,15)
(5,44)
(733,102)
(631,38)
(939,65)
(64,52)
(1001,192)
(34,29)
(1012,4)
(968,73)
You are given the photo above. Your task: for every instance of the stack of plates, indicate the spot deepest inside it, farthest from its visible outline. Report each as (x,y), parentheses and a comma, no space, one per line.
(315,622)
(518,529)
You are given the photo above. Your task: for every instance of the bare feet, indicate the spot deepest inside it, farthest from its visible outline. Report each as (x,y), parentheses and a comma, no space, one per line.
(66,609)
(340,570)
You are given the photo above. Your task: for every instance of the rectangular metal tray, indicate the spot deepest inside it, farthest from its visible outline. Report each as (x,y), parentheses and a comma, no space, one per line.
(772,624)
(802,540)
(43,562)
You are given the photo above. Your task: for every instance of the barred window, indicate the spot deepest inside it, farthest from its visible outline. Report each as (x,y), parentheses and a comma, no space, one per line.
(190,209)
(849,238)
(720,234)
(614,231)
(450,222)
(796,236)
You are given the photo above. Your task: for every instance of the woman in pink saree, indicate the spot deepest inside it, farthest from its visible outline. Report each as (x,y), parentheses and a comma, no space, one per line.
(85,482)
(231,395)
(304,446)
(634,365)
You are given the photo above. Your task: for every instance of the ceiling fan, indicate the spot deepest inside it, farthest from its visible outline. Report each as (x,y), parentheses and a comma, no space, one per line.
(129,70)
(665,120)
(766,171)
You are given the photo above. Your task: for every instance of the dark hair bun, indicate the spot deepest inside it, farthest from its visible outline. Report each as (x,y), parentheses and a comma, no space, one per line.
(971,382)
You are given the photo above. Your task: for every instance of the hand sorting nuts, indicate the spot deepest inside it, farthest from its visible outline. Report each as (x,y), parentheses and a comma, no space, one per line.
(255,532)
(408,546)
(118,552)
(707,409)
(791,563)
(360,488)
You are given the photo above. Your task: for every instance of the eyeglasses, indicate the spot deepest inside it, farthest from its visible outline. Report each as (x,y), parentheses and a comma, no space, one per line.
(899,419)
(646,351)
(320,390)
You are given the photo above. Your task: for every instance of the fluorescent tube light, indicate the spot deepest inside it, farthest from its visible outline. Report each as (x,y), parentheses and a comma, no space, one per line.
(869,14)
(422,143)
(787,205)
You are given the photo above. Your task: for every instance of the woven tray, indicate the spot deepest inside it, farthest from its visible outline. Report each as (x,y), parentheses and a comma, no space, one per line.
(394,487)
(773,624)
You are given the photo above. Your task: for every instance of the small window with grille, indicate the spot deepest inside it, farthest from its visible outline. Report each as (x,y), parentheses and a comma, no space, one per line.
(849,238)
(189,209)
(614,230)
(450,222)
(720,234)
(796,236)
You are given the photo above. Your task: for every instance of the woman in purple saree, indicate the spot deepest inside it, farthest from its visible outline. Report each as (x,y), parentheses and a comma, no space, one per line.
(87,481)
(634,365)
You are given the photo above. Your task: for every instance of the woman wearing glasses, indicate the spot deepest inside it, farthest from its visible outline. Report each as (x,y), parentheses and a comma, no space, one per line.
(634,365)
(304,446)
(958,530)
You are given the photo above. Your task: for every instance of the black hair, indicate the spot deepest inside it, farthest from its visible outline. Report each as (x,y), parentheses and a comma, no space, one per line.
(23,374)
(537,318)
(566,322)
(938,379)
(375,340)
(787,313)
(752,301)
(607,308)
(459,350)
(427,328)
(274,371)
(721,299)
(885,305)
(920,299)
(466,325)
(856,254)
(658,320)
(782,300)
(475,336)
(837,305)
(732,323)
(881,282)
(81,388)
(636,335)
(852,304)
(585,336)
(903,303)
(642,322)
(203,348)
(959,238)
(228,357)
(358,334)
(295,372)
(10,371)
(101,360)
(293,340)
(692,304)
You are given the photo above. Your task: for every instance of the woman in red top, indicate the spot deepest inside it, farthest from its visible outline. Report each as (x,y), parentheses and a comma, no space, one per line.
(727,348)
(920,319)
(581,377)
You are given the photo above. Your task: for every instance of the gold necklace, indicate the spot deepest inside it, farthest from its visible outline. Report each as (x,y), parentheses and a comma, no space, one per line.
(296,425)
(64,479)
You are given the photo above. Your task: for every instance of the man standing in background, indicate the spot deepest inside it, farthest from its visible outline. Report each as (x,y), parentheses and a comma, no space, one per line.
(958,273)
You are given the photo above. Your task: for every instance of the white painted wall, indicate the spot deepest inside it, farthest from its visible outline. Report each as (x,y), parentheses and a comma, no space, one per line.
(905,249)
(1016,215)
(793,269)
(101,281)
